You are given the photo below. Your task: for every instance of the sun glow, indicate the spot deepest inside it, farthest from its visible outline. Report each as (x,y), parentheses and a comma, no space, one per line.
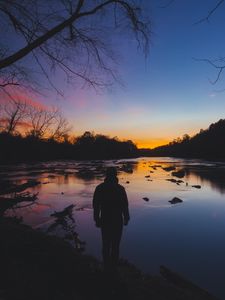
(151,143)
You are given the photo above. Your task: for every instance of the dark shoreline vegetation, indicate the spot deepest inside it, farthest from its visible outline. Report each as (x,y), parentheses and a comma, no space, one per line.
(207,144)
(16,148)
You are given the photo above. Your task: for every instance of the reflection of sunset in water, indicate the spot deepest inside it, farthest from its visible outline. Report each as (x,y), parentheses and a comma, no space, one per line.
(179,236)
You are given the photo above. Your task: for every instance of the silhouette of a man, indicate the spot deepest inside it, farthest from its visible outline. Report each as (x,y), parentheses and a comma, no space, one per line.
(110,214)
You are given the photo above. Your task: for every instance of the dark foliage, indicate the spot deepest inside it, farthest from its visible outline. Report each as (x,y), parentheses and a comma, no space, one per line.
(15,148)
(100,146)
(209,143)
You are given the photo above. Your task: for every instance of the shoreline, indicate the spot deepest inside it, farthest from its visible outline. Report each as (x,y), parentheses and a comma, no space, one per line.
(35,265)
(16,162)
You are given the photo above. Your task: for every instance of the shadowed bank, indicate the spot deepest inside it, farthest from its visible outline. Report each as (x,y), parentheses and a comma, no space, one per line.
(37,266)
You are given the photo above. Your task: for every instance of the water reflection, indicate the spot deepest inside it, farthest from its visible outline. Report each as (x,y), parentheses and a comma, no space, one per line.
(64,223)
(214,175)
(188,237)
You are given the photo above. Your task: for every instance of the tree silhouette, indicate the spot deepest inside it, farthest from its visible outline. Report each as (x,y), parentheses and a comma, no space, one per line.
(65,36)
(208,143)
(12,115)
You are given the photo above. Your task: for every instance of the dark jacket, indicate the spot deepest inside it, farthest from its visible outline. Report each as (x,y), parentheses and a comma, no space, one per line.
(110,203)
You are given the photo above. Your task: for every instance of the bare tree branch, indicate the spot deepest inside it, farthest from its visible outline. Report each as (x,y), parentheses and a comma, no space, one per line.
(167,4)
(61,128)
(45,73)
(137,26)
(210,13)
(13,113)
(59,33)
(220,68)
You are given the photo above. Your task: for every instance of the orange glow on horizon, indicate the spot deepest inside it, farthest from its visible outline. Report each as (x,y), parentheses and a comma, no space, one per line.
(148,143)
(151,143)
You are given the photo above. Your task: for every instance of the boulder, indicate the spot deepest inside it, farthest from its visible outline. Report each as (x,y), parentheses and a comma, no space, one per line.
(197,186)
(146,199)
(168,169)
(175,200)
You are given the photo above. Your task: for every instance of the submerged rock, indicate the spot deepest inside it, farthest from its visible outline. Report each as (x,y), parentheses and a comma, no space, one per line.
(175,200)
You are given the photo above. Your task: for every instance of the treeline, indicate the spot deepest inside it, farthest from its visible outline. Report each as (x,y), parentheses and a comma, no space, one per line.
(32,132)
(29,119)
(16,148)
(209,143)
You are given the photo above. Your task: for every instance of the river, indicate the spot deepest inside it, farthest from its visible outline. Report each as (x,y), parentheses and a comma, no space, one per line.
(188,237)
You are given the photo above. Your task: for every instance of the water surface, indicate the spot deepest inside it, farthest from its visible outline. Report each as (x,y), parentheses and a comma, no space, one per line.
(188,237)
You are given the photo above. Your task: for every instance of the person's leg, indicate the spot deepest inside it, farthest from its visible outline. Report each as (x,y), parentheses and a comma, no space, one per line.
(116,238)
(106,247)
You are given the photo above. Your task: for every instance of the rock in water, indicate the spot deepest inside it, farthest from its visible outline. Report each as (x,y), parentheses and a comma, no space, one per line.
(146,199)
(170,168)
(172,180)
(196,186)
(175,200)
(179,174)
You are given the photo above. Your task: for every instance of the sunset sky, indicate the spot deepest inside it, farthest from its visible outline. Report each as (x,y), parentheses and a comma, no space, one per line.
(164,96)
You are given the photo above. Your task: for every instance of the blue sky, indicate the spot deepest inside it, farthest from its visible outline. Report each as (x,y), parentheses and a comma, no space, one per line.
(166,94)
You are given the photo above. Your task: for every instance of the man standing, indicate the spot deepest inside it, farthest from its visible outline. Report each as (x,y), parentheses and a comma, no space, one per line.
(110,214)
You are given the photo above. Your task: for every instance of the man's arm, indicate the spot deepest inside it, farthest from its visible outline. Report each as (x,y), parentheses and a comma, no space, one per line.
(126,215)
(96,207)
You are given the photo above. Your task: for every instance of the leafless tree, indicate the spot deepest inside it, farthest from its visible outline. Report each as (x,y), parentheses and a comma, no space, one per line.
(61,128)
(41,121)
(21,116)
(65,36)
(13,114)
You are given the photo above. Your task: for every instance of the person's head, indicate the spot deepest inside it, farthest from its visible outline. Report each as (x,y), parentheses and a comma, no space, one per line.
(111,172)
